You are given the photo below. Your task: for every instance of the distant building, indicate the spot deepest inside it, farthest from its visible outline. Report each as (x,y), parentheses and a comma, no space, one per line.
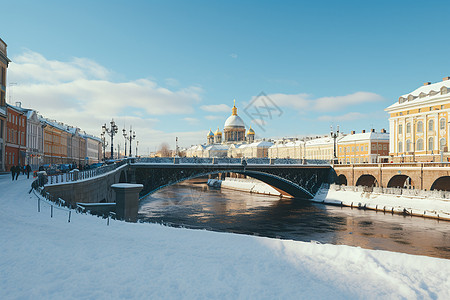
(419,124)
(4,61)
(365,147)
(16,132)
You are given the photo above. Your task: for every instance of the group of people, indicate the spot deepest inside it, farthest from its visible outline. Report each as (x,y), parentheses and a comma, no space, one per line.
(15,171)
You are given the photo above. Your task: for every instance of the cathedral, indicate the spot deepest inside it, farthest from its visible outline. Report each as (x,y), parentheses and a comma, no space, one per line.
(233,131)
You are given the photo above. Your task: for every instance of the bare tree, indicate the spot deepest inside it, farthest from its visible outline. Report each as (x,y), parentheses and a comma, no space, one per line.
(164,150)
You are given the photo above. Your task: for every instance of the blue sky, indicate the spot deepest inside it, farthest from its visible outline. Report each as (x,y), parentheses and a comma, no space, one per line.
(173,68)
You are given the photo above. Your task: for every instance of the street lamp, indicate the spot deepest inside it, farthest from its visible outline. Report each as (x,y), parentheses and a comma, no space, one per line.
(124,131)
(334,135)
(130,137)
(104,144)
(111,132)
(137,144)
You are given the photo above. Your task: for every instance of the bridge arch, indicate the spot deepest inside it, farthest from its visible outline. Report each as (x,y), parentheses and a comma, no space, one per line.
(400,181)
(342,180)
(441,184)
(296,181)
(367,180)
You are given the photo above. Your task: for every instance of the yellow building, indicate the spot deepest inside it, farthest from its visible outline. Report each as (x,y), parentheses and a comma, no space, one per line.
(418,124)
(365,147)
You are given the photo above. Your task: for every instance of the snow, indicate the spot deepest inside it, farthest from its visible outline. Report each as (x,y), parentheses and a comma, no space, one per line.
(416,205)
(50,258)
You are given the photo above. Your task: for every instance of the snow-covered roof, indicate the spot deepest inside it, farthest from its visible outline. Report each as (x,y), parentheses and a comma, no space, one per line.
(216,147)
(423,94)
(261,144)
(366,136)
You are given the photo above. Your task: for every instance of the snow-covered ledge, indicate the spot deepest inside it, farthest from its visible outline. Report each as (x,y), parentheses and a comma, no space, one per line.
(127,200)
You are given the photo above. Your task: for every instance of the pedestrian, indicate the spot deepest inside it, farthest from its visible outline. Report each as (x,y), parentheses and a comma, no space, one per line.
(23,170)
(28,168)
(13,172)
(17,171)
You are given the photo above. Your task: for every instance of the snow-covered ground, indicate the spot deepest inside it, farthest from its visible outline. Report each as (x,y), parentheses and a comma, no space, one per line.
(49,258)
(415,205)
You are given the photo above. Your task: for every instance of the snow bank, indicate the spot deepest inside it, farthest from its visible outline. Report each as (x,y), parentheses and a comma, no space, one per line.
(246,185)
(414,205)
(49,258)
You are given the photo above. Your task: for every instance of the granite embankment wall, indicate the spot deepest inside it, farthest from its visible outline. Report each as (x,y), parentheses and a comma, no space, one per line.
(89,190)
(430,204)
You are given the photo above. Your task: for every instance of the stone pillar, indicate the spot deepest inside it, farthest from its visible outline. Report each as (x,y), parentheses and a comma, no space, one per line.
(127,200)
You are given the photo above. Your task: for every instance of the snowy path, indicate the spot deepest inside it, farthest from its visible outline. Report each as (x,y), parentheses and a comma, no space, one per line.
(49,258)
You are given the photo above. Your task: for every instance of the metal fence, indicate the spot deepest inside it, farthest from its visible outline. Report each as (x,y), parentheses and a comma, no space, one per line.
(228,160)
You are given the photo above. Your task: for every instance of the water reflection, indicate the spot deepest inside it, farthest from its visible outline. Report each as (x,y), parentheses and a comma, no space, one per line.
(195,205)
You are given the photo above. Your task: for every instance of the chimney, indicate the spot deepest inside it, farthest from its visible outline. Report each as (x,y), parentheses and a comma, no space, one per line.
(19,104)
(427,83)
(352,132)
(363,131)
(446,78)
(383,130)
(372,130)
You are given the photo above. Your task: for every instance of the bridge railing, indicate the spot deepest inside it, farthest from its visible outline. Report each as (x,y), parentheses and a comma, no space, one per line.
(81,175)
(228,160)
(395,165)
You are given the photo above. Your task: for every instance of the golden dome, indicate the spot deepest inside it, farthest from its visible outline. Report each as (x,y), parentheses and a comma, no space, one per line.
(210,133)
(250,131)
(218,132)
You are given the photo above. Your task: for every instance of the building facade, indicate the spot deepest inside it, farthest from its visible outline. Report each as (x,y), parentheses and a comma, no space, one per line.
(35,140)
(365,147)
(4,61)
(418,123)
(16,132)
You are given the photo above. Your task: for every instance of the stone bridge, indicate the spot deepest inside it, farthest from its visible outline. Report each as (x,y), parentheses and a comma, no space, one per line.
(424,176)
(296,180)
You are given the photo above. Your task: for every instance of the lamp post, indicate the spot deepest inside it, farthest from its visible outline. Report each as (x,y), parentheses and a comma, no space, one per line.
(111,132)
(104,144)
(137,144)
(130,137)
(125,135)
(334,135)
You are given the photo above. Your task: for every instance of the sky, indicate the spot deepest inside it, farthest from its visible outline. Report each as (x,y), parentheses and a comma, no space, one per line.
(173,68)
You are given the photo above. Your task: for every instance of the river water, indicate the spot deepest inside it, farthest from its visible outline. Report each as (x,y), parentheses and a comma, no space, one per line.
(195,205)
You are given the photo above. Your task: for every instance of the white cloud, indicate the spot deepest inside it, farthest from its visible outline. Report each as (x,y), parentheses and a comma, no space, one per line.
(191,120)
(339,102)
(351,116)
(80,93)
(216,108)
(233,55)
(212,118)
(304,102)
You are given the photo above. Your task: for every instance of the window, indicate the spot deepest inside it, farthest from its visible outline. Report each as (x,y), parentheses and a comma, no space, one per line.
(408,128)
(419,146)
(430,125)
(442,124)
(430,144)
(400,129)
(400,147)
(420,109)
(442,106)
(419,126)
(408,145)
(431,108)
(442,144)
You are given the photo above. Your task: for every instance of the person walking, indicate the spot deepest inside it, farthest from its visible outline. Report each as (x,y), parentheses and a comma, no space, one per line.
(13,172)
(28,168)
(17,171)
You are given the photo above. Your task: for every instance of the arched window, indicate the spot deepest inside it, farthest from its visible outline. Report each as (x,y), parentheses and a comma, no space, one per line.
(420,126)
(442,124)
(430,144)
(430,125)
(443,90)
(442,144)
(408,128)
(408,145)
(400,147)
(419,146)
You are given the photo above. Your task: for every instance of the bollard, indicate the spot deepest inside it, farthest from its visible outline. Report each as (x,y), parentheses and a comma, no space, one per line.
(51,211)
(127,200)
(39,204)
(70,212)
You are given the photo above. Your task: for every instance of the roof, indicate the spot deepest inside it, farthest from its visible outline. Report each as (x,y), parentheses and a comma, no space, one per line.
(261,144)
(234,121)
(367,136)
(423,94)
(216,147)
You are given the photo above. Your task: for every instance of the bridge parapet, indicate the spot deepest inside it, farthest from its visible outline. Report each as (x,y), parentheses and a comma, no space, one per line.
(229,160)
